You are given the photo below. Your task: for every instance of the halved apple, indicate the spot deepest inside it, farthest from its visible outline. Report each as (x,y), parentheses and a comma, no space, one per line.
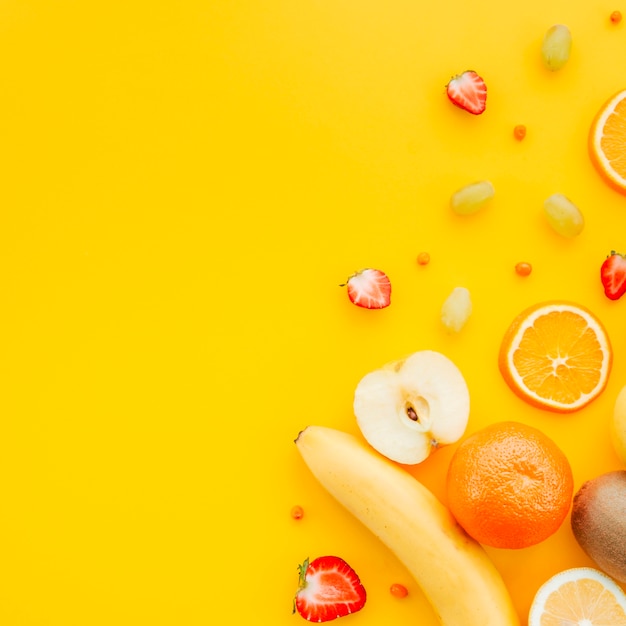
(408,408)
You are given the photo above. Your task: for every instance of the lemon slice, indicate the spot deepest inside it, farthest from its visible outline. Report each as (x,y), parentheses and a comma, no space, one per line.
(581,596)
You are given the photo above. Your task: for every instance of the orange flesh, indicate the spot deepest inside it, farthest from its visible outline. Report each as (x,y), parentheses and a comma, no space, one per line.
(559,358)
(613,141)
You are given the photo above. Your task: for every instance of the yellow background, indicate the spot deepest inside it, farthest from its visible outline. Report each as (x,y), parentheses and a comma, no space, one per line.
(183,186)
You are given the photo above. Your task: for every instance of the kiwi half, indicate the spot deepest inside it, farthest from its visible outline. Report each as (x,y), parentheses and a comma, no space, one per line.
(599,522)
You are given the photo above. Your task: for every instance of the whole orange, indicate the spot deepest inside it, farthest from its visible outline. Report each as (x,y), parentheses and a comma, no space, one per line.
(509,485)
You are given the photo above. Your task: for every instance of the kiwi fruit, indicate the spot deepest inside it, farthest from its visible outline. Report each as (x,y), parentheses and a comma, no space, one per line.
(599,522)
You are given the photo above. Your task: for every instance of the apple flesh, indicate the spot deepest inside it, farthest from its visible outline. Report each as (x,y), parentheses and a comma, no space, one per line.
(408,408)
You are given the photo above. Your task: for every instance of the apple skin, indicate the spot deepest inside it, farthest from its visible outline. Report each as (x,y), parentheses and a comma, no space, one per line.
(618,425)
(410,407)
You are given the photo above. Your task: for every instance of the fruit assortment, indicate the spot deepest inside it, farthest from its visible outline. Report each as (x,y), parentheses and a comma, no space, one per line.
(452,569)
(509,486)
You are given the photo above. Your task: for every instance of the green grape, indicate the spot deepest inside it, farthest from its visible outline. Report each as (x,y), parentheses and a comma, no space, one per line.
(471,198)
(456,309)
(563,215)
(556,47)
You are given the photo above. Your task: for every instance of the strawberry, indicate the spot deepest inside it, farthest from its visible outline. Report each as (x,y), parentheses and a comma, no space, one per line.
(613,275)
(369,288)
(468,91)
(328,588)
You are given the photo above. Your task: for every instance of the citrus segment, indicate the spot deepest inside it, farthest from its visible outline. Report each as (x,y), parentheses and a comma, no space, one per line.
(607,141)
(556,356)
(509,486)
(581,595)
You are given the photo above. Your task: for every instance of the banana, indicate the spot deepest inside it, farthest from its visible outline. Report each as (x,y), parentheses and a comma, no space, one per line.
(454,571)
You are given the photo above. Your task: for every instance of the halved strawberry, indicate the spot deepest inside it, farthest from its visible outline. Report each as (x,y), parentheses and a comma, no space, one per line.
(613,275)
(468,91)
(369,288)
(328,588)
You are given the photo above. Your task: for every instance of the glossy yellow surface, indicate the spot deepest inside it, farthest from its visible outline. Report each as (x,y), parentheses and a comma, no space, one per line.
(184,185)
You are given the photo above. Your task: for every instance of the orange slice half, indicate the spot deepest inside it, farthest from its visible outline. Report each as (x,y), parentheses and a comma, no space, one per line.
(556,356)
(607,141)
(581,595)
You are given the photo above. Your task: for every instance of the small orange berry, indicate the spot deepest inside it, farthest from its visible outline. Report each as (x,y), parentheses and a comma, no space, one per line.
(616,17)
(423,258)
(519,132)
(398,591)
(297,512)
(523,269)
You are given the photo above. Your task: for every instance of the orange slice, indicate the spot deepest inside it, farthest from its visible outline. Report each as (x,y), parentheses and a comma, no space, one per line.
(556,356)
(607,141)
(581,595)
